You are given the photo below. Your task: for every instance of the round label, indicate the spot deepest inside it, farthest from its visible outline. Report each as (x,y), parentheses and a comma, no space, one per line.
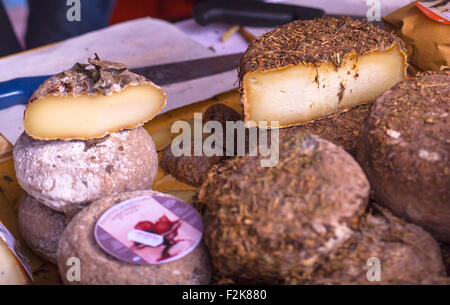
(149,230)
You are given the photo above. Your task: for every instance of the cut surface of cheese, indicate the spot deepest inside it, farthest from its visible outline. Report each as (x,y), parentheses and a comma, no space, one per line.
(162,138)
(11,271)
(92,116)
(310,69)
(12,260)
(301,93)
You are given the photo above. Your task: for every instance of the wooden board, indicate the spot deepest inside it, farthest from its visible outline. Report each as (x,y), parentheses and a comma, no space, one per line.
(10,191)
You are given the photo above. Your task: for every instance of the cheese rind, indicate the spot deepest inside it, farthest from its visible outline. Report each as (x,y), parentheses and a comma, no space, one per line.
(310,69)
(92,116)
(41,227)
(67,175)
(99,267)
(83,103)
(302,93)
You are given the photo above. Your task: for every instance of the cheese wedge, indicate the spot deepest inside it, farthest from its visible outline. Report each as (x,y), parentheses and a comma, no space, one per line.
(12,272)
(307,70)
(83,103)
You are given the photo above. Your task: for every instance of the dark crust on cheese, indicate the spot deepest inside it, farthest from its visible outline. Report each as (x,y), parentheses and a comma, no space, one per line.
(41,227)
(105,78)
(404,150)
(408,254)
(193,170)
(341,128)
(419,100)
(445,249)
(273,224)
(326,39)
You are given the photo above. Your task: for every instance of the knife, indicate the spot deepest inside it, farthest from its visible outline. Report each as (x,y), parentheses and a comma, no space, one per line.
(257,13)
(19,90)
(251,13)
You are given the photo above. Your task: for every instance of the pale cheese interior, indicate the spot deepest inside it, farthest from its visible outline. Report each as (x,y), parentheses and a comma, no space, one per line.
(302,93)
(11,272)
(89,116)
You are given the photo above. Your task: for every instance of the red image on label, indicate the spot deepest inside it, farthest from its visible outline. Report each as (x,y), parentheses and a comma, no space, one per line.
(149,230)
(165,228)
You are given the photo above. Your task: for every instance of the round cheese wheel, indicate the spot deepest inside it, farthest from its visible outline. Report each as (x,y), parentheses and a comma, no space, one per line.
(66,175)
(404,150)
(41,227)
(273,225)
(99,267)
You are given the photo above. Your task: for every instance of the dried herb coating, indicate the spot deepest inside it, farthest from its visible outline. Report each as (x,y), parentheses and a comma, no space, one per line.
(326,39)
(193,170)
(342,128)
(407,254)
(274,224)
(445,249)
(105,78)
(404,149)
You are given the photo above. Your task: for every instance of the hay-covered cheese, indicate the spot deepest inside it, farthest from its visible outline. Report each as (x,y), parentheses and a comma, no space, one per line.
(310,69)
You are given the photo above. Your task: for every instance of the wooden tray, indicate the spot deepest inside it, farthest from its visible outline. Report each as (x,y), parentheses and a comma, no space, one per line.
(10,191)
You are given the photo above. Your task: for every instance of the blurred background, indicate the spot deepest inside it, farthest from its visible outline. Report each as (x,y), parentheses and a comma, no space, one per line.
(39,22)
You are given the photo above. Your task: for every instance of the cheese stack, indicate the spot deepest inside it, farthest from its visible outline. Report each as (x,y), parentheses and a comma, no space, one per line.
(83,141)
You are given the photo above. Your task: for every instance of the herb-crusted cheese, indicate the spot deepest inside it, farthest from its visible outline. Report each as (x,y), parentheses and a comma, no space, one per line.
(310,69)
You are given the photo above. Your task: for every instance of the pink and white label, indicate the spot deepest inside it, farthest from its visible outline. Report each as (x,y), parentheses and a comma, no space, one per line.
(149,230)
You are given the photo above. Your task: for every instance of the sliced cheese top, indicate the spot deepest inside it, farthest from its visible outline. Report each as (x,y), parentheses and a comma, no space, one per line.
(311,69)
(311,41)
(83,103)
(302,93)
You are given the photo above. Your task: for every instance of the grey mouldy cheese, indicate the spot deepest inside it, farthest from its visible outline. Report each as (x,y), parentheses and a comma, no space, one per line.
(67,175)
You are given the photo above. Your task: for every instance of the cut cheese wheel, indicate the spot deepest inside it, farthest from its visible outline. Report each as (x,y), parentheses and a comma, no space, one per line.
(12,270)
(307,70)
(162,138)
(85,103)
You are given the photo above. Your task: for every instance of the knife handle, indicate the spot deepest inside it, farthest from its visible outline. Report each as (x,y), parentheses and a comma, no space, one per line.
(251,13)
(19,90)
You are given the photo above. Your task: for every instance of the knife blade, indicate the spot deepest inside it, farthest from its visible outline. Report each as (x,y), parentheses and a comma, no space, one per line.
(19,90)
(251,13)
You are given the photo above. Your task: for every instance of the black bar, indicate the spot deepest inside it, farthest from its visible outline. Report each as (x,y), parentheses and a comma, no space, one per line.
(8,40)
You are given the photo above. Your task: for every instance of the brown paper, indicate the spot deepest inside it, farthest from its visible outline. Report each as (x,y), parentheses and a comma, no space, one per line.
(428,41)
